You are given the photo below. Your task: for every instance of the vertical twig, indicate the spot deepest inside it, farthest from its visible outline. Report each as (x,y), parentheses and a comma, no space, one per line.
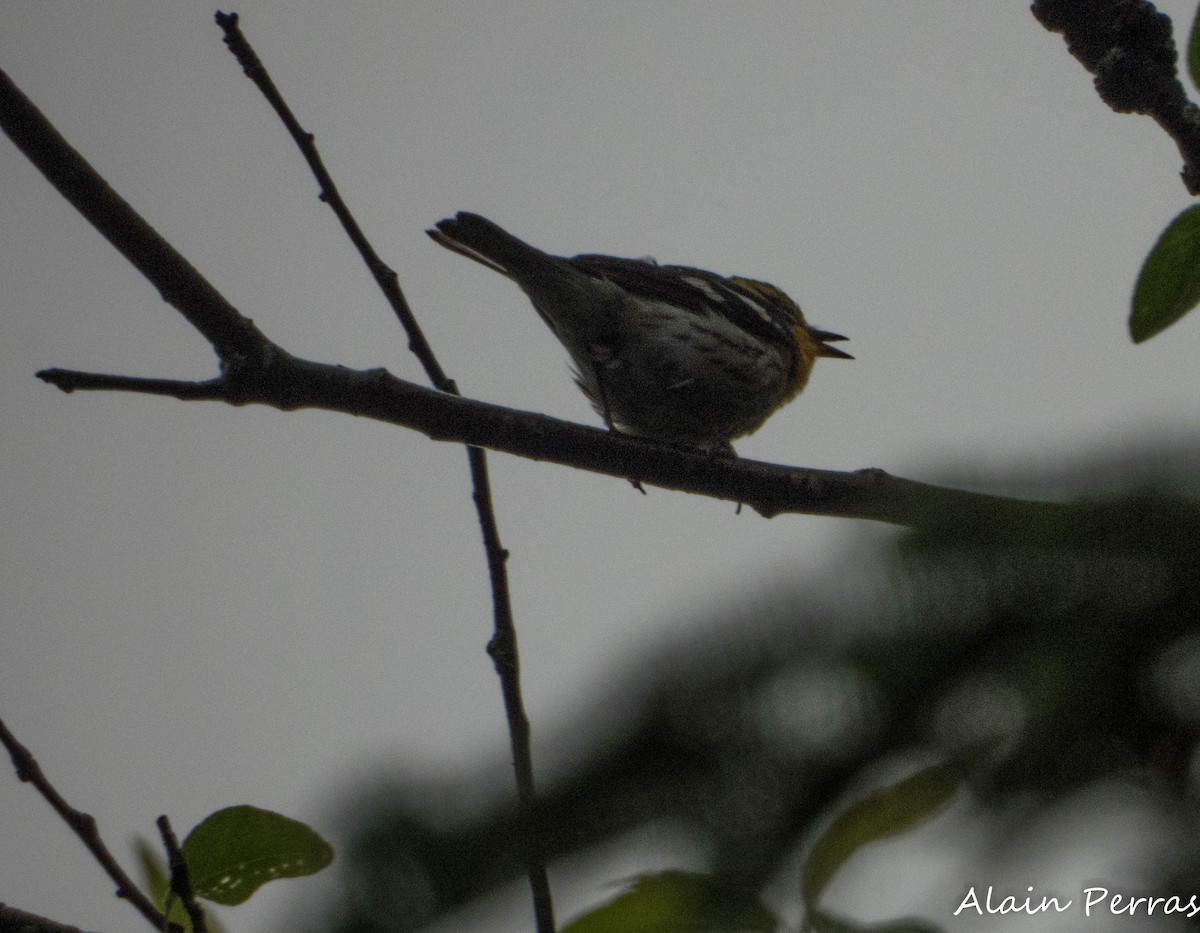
(503,644)
(181,880)
(503,650)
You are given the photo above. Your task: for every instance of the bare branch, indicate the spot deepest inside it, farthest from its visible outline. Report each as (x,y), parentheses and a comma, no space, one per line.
(70,380)
(289,383)
(1128,46)
(84,826)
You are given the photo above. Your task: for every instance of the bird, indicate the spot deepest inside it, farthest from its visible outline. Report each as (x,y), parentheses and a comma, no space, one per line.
(669,353)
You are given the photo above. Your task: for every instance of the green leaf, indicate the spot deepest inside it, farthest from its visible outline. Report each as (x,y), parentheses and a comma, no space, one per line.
(884,813)
(155,879)
(235,851)
(677,902)
(1194,50)
(1168,287)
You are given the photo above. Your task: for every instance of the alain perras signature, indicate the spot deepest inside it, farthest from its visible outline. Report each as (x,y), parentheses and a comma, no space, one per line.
(1094,901)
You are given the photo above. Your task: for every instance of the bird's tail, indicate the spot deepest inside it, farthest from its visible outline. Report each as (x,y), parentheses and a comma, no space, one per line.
(579,308)
(491,245)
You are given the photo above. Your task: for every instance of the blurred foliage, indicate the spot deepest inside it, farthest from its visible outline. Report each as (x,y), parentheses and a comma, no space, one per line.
(886,812)
(676,902)
(1072,645)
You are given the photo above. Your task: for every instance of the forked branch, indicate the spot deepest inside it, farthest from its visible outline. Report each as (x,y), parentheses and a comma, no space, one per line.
(255,370)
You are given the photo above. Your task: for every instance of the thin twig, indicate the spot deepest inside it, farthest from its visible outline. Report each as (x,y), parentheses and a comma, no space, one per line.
(181,879)
(387,279)
(84,826)
(503,651)
(503,645)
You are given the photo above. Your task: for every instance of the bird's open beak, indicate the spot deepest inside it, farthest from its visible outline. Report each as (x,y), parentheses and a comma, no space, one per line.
(823,337)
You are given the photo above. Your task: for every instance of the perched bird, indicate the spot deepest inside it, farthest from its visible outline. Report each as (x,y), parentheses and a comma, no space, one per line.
(665,352)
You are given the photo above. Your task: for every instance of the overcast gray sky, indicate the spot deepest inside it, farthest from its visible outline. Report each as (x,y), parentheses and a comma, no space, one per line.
(202,606)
